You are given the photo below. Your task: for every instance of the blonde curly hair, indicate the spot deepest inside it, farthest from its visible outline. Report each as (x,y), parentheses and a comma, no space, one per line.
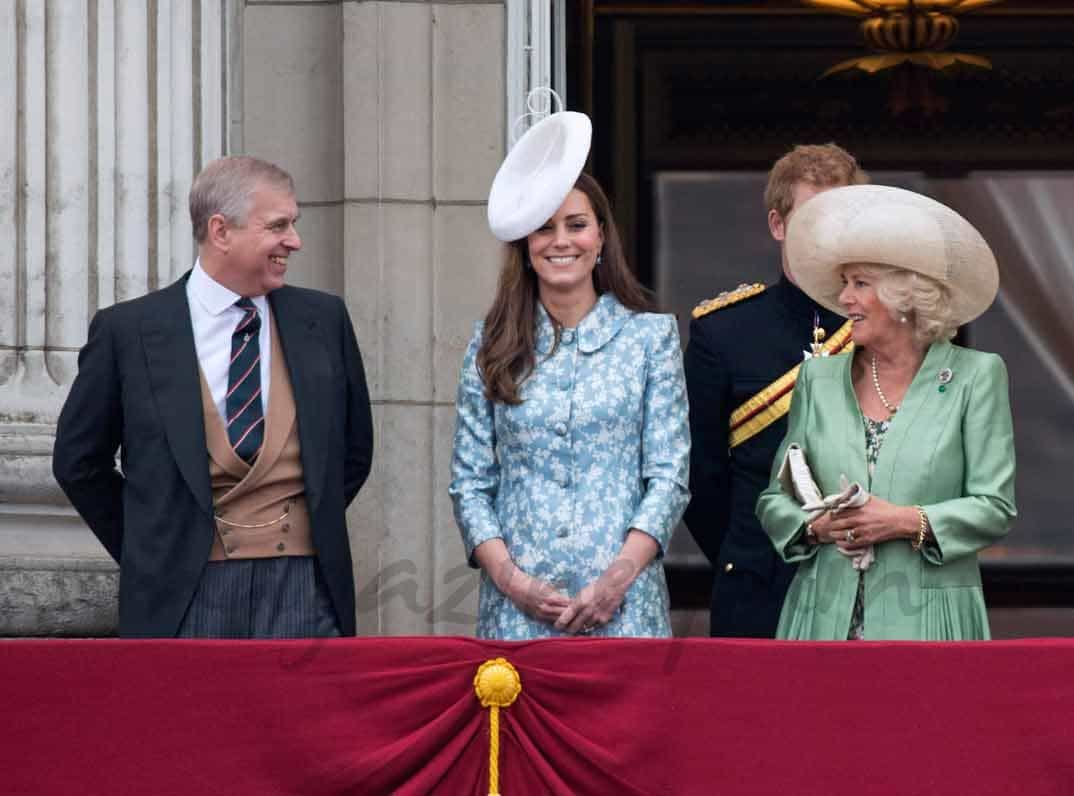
(917,298)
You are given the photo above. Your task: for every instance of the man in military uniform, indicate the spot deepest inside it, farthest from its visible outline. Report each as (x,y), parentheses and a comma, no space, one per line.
(741,362)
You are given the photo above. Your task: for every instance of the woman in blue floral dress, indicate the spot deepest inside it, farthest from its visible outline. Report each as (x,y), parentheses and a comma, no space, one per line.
(571,451)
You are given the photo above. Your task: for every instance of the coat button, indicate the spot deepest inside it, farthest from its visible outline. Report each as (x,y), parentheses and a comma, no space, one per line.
(562,532)
(728,567)
(568,336)
(561,429)
(281,547)
(564,481)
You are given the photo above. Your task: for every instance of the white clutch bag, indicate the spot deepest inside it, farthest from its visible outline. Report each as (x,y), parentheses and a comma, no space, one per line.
(797,481)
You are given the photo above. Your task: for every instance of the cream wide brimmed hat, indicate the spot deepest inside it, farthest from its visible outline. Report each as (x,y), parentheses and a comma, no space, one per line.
(881,225)
(537,174)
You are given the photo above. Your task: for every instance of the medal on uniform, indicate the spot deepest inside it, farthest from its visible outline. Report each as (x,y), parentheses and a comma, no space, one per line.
(816,349)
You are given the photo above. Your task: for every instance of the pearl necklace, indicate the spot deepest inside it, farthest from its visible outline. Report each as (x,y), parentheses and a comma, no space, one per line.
(892,409)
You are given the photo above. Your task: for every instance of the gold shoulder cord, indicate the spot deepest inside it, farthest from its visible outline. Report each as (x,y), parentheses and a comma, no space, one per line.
(727,298)
(773,402)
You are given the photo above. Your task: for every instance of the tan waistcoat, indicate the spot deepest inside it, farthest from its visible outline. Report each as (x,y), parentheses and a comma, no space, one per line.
(270,495)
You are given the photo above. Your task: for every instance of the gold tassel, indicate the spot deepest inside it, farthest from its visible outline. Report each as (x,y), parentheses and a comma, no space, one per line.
(497,685)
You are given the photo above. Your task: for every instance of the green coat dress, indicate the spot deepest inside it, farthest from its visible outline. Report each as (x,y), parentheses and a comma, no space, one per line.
(949,450)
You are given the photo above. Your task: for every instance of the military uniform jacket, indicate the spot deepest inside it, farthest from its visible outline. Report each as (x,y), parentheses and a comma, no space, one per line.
(734,353)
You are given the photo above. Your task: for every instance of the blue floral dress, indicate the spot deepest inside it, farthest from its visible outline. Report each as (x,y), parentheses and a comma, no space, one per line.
(599,445)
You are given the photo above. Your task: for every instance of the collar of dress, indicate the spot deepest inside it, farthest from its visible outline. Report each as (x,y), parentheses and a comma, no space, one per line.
(597,328)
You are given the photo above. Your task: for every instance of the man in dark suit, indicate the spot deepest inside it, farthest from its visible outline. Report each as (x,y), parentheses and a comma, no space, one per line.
(240,409)
(740,366)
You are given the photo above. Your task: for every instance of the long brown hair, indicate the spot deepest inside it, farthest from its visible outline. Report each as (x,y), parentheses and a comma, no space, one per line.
(507,355)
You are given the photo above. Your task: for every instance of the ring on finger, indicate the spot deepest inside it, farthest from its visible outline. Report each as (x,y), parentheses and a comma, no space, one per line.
(850,534)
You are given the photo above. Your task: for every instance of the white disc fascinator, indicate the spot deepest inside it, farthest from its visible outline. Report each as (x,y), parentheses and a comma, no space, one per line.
(539,171)
(882,225)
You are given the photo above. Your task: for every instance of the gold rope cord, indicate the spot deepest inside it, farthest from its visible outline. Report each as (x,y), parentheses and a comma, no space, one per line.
(773,402)
(497,685)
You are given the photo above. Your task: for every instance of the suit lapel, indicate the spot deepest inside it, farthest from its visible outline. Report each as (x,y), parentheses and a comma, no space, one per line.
(172,363)
(216,439)
(304,349)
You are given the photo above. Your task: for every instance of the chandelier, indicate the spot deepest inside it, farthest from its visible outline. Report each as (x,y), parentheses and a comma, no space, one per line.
(914,32)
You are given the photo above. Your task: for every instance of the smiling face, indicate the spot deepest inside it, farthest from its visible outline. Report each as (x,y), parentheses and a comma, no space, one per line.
(254,255)
(564,251)
(873,322)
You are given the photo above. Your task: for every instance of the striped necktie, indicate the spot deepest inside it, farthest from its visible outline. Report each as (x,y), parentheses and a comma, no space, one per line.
(245,414)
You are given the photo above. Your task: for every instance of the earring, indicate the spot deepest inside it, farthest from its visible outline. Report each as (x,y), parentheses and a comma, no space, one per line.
(902,318)
(600,258)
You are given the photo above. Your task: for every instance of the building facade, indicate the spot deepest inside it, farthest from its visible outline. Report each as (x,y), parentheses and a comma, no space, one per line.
(392,118)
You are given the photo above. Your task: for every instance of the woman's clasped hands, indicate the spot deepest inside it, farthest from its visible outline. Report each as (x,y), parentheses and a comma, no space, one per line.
(854,529)
(592,607)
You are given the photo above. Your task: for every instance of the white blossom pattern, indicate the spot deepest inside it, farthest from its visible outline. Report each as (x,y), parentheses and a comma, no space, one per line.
(599,445)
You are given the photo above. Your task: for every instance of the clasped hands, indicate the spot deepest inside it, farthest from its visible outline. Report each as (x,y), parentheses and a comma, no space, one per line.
(856,528)
(593,606)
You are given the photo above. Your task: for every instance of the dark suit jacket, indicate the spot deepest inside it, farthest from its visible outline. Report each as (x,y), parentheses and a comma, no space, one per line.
(733,354)
(138,390)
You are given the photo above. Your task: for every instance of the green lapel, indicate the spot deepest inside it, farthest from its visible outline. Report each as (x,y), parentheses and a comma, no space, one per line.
(921,406)
(853,431)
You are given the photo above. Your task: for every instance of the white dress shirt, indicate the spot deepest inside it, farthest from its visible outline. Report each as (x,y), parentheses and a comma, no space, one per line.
(214,316)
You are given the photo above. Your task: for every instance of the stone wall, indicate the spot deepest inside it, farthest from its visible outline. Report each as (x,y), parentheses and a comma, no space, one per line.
(116,109)
(390,116)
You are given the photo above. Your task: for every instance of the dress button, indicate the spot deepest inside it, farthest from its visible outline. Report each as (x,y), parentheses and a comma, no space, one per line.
(281,547)
(561,429)
(562,533)
(728,567)
(568,336)
(564,481)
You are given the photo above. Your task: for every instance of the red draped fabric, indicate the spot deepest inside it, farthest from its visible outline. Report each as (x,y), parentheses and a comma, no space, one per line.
(399,716)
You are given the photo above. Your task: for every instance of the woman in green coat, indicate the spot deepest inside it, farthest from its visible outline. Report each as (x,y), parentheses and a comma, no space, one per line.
(921,425)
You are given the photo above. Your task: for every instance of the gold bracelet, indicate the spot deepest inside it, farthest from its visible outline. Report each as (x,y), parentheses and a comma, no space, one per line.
(922,529)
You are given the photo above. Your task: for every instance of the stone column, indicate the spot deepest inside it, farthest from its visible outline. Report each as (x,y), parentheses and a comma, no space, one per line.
(390,115)
(423,97)
(118,105)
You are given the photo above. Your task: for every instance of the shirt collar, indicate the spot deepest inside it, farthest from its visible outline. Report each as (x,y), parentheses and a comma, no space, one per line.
(597,328)
(214,297)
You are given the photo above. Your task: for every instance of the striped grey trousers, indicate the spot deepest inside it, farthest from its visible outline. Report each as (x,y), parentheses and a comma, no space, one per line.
(261,598)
